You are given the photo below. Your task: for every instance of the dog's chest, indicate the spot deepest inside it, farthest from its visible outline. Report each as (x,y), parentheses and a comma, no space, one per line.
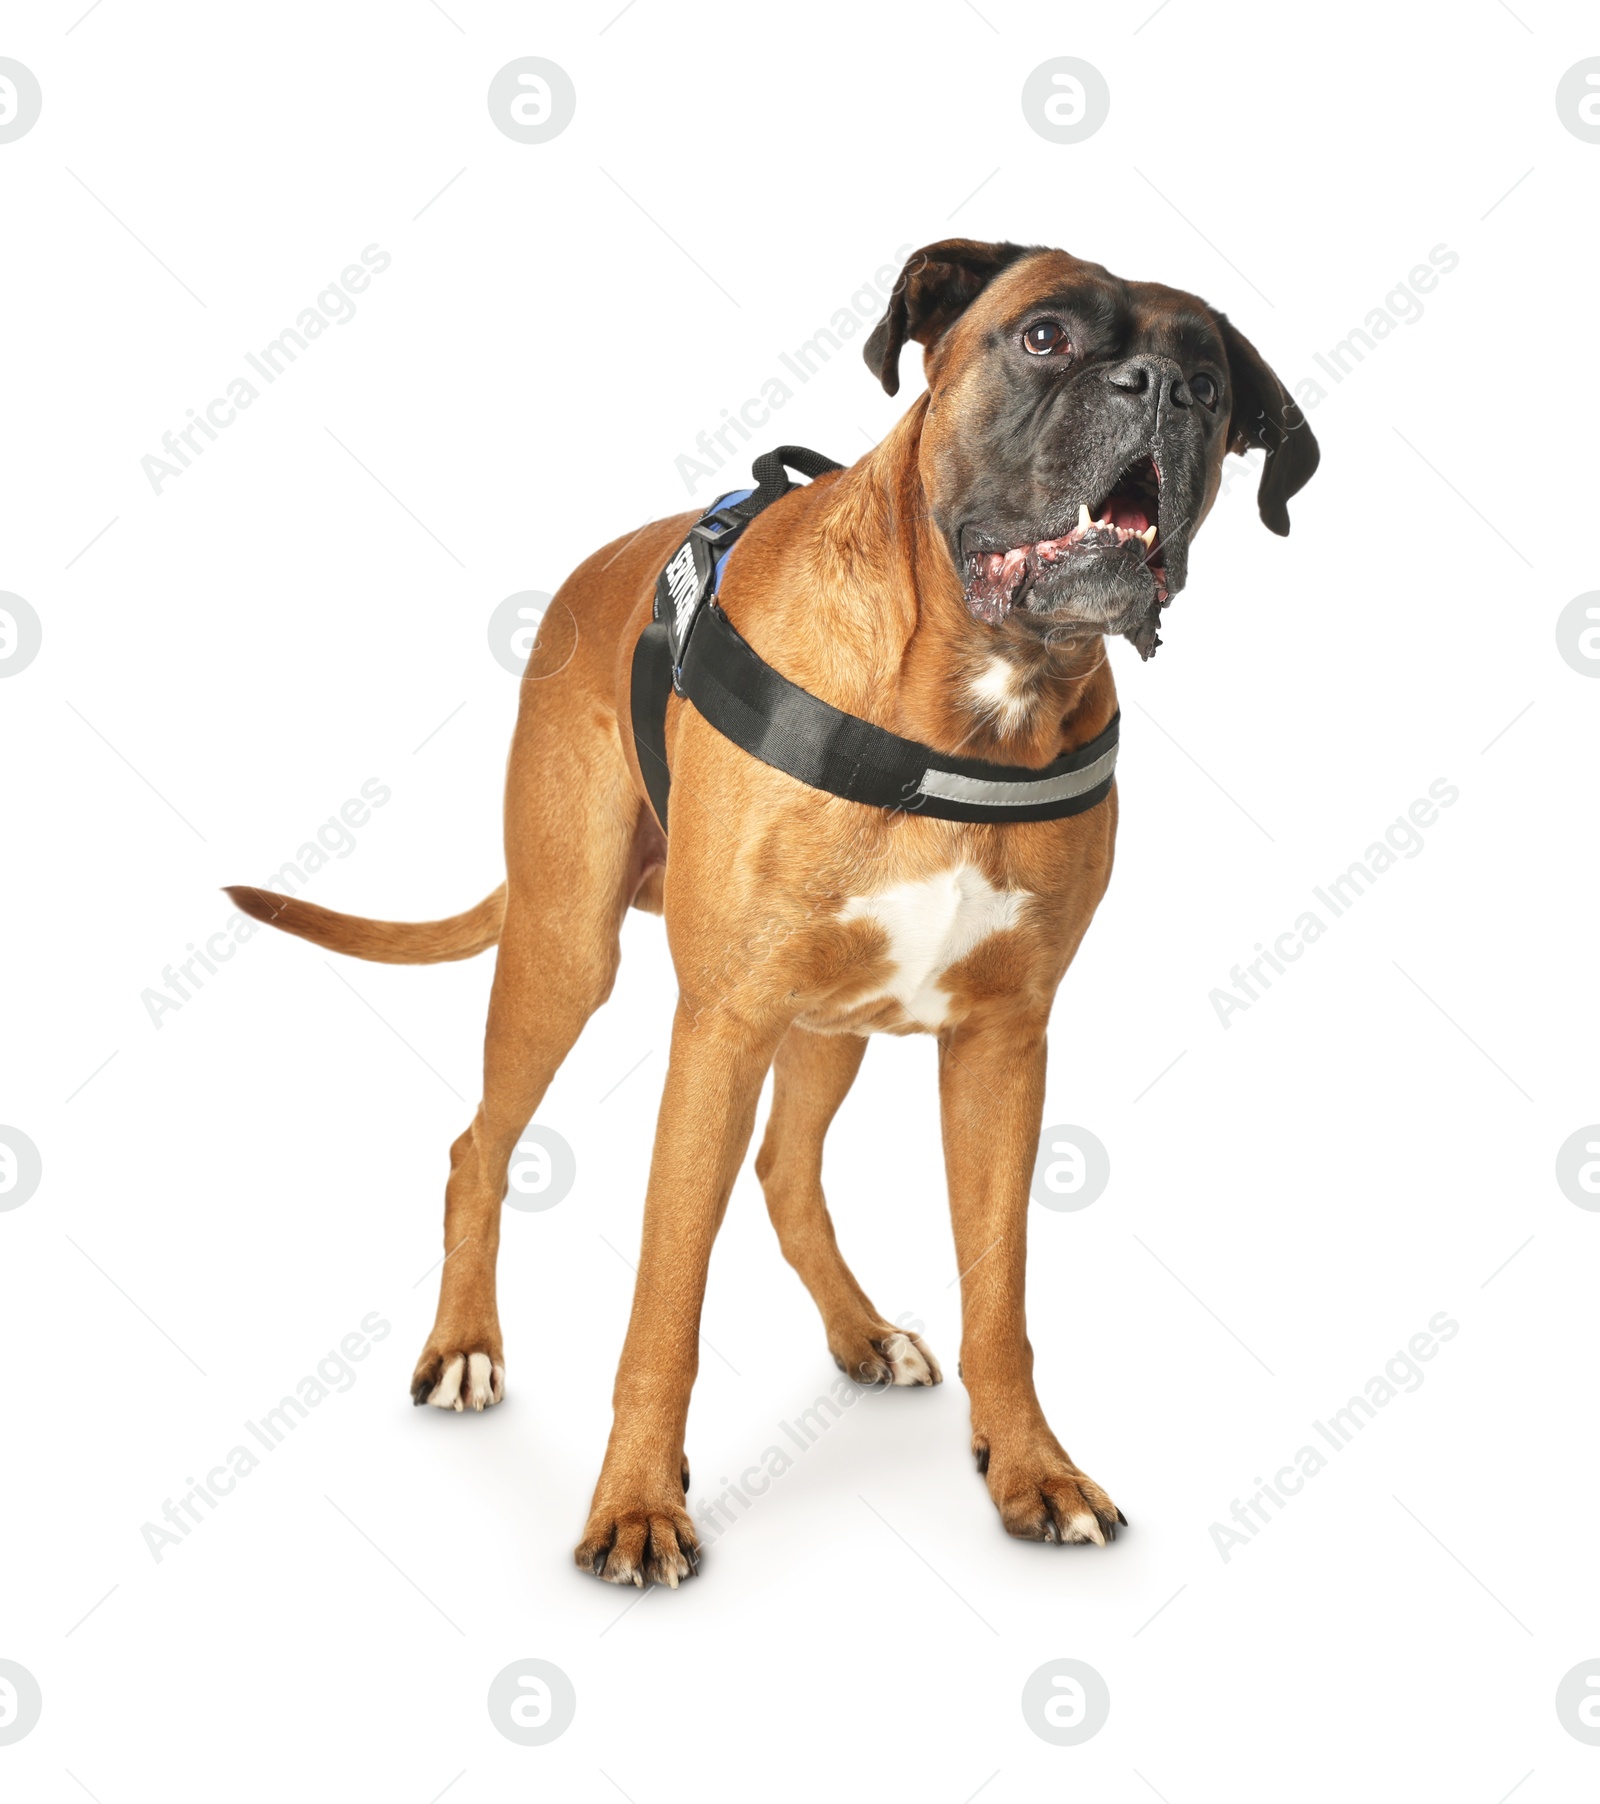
(930,925)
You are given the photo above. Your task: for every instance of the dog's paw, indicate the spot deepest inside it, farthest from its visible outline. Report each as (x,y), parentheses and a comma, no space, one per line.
(886,1355)
(1046,1498)
(457,1380)
(639,1546)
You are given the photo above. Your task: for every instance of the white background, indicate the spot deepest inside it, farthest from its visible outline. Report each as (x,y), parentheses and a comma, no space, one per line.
(1289,1202)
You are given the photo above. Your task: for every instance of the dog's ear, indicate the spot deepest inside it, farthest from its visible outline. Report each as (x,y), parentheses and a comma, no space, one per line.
(1265,414)
(936,287)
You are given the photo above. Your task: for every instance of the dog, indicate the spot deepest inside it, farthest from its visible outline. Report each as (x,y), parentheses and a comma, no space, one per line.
(955,586)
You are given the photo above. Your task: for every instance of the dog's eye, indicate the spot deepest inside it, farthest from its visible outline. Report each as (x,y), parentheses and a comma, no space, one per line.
(1204,390)
(1047,338)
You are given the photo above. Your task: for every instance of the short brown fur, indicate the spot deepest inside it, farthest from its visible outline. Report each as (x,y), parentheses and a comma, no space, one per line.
(847,586)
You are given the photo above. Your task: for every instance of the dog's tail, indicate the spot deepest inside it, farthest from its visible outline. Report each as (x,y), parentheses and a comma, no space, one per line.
(389,942)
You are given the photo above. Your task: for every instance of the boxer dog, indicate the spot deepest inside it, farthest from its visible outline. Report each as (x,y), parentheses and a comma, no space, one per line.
(957,586)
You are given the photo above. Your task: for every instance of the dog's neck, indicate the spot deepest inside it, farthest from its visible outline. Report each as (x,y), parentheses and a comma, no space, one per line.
(896,612)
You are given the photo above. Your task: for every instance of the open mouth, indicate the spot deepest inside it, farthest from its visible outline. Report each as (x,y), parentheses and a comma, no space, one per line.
(1123,523)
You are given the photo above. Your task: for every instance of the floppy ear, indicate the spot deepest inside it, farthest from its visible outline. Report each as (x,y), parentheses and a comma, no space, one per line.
(936,287)
(1265,415)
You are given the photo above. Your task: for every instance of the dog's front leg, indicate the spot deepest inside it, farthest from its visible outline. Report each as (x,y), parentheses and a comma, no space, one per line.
(639,1531)
(991,1094)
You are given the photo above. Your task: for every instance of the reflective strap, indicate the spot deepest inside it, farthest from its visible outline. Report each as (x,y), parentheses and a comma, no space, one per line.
(952,787)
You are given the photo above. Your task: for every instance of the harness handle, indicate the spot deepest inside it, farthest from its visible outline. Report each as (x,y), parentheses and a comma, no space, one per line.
(771,482)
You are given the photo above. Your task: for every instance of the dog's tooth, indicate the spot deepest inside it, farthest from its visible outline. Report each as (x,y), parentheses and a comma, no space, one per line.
(1149,536)
(1084,522)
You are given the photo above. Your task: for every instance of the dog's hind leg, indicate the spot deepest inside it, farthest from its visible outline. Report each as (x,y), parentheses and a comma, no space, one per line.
(576,844)
(812,1074)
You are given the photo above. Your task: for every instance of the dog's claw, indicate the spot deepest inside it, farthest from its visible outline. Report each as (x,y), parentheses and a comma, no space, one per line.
(1052,1502)
(879,1355)
(640,1547)
(470,1379)
(908,1359)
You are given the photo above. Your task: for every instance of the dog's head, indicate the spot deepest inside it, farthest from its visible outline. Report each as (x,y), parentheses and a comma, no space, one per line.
(1076,429)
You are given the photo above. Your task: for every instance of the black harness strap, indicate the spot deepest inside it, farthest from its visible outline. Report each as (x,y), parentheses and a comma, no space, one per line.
(682,588)
(772,719)
(691,646)
(652,685)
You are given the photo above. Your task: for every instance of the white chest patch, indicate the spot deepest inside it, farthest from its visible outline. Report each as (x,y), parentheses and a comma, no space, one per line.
(1000,692)
(931,926)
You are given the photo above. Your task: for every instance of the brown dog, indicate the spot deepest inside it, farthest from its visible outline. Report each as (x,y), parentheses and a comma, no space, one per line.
(956,586)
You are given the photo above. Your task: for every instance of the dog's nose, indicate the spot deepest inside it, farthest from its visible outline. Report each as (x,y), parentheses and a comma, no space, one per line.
(1150,374)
